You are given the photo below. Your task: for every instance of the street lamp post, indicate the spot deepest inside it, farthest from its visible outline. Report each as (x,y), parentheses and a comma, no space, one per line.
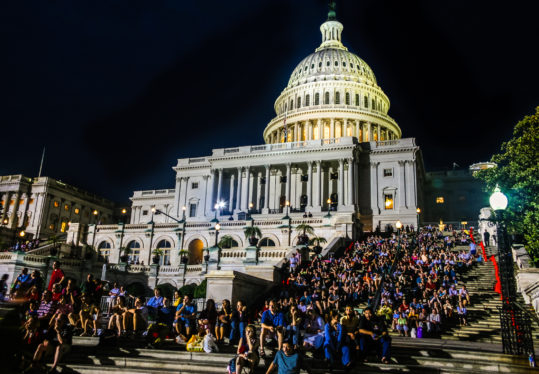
(514,322)
(182,222)
(418,211)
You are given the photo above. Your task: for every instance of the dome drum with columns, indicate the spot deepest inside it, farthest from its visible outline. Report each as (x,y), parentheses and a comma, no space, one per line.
(332,158)
(332,93)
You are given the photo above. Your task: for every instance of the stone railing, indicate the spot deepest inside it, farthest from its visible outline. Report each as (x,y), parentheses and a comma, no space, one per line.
(139,268)
(282,146)
(272,253)
(107,227)
(136,226)
(170,269)
(36,258)
(42,251)
(194,268)
(8,256)
(233,253)
(308,221)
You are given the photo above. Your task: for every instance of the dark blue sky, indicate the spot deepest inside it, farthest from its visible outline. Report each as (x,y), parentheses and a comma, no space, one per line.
(118,90)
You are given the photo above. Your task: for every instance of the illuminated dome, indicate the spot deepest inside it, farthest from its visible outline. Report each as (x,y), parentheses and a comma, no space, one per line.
(332,93)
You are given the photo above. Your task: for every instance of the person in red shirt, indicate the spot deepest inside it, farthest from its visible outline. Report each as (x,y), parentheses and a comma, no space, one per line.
(57,275)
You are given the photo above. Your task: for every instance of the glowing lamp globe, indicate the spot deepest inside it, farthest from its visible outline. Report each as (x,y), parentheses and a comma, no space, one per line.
(498,201)
(398,225)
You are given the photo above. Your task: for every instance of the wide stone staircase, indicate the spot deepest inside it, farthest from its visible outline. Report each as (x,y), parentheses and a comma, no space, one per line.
(425,356)
(483,313)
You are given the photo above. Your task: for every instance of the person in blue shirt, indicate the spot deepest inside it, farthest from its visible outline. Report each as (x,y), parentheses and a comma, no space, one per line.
(272,324)
(185,317)
(154,304)
(287,361)
(335,341)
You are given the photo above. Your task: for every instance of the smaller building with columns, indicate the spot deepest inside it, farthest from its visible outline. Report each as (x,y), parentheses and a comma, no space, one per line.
(45,206)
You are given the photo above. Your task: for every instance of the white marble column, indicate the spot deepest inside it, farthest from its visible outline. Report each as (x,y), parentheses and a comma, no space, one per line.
(5,200)
(309,183)
(318,200)
(238,192)
(288,180)
(267,189)
(402,185)
(296,129)
(309,125)
(341,182)
(248,188)
(350,181)
(258,191)
(320,132)
(231,196)
(332,128)
(358,132)
(219,185)
(378,132)
(176,199)
(374,188)
(369,132)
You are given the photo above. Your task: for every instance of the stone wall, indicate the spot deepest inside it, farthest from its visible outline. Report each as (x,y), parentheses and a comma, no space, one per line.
(527,276)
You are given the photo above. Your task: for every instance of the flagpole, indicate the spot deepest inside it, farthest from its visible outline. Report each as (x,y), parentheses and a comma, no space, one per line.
(41,165)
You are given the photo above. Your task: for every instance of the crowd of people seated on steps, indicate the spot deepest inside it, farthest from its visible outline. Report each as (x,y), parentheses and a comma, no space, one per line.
(21,246)
(343,306)
(326,305)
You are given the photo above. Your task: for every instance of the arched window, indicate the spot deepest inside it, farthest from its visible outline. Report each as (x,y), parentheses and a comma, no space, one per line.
(357,99)
(103,250)
(347,98)
(291,104)
(366,102)
(337,97)
(307,100)
(165,246)
(326,98)
(134,251)
(373,104)
(317,99)
(298,104)
(266,242)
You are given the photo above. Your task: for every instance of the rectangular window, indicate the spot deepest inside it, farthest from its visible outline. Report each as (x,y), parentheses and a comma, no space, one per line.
(77,211)
(440,200)
(21,201)
(66,207)
(357,99)
(194,185)
(192,210)
(63,227)
(56,204)
(31,201)
(388,172)
(144,212)
(388,204)
(11,202)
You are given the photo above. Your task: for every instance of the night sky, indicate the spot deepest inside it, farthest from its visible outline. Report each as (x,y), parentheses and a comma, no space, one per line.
(118,90)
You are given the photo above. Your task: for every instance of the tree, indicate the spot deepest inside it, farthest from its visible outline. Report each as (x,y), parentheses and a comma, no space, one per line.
(227,241)
(517,175)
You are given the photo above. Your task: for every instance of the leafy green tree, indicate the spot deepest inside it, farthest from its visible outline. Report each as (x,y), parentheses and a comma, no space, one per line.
(226,241)
(517,175)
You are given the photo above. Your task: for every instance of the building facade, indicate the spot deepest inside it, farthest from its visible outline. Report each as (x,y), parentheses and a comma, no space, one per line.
(42,207)
(332,158)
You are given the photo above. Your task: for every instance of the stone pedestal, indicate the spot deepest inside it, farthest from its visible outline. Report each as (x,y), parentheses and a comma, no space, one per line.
(234,286)
(251,256)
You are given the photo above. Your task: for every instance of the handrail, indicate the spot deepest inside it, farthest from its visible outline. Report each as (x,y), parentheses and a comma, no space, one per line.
(533,316)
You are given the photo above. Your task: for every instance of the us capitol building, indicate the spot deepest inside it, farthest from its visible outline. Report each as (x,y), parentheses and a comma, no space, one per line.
(333,158)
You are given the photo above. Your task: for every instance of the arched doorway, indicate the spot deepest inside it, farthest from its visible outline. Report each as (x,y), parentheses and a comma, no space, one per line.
(195,252)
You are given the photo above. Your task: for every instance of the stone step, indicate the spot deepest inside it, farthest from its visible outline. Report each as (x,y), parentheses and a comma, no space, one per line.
(410,355)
